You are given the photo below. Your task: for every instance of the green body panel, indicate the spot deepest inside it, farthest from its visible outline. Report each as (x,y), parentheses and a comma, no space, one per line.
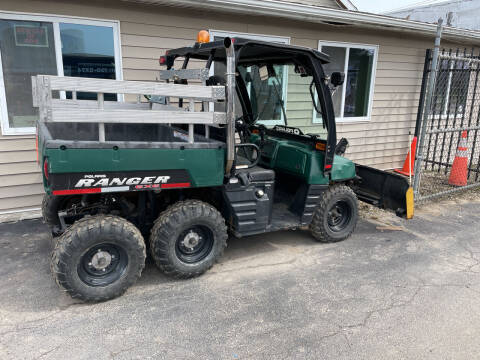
(302,160)
(342,169)
(206,167)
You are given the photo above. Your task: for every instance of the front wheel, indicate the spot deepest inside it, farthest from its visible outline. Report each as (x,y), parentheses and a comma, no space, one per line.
(98,258)
(188,238)
(336,216)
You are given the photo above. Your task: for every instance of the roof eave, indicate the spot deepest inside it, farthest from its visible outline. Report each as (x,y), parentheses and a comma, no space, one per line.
(316,14)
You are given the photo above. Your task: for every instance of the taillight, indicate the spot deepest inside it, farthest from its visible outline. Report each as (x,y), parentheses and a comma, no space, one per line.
(162,60)
(45,168)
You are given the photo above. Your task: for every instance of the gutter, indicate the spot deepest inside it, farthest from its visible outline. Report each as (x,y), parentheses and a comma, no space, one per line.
(317,14)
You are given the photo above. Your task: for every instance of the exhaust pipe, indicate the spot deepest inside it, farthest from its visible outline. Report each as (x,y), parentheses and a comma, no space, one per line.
(230,77)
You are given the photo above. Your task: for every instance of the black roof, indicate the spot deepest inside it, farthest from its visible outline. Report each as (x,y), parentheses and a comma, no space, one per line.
(251,50)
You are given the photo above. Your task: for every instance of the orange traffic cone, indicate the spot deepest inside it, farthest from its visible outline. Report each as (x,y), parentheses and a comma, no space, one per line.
(458,174)
(410,160)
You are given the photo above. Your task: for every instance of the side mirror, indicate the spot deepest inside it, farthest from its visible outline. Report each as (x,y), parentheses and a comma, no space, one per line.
(337,78)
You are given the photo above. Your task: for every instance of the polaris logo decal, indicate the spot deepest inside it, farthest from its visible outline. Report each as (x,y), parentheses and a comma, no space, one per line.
(104,181)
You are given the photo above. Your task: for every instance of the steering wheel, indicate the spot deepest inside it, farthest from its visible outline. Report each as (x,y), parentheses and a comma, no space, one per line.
(243,129)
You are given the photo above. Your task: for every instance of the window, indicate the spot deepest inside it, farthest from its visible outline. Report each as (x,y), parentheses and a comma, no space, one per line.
(451,88)
(50,45)
(353,100)
(270,94)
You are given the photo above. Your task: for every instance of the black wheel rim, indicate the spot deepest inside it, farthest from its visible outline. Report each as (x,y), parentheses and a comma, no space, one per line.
(102,264)
(339,216)
(194,244)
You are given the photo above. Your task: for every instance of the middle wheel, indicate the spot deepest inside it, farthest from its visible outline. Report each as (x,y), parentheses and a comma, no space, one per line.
(188,238)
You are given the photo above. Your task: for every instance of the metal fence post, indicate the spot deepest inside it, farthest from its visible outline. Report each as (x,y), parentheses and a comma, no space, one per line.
(428,105)
(421,103)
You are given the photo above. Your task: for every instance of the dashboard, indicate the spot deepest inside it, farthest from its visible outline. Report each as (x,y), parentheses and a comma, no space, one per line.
(287,149)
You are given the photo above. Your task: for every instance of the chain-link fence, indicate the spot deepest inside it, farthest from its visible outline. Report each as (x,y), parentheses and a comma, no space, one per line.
(449,159)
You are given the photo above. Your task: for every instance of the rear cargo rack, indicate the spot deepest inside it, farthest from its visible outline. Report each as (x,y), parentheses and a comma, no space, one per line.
(57,108)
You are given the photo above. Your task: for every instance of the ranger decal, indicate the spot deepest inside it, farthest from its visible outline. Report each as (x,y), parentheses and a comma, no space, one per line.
(115,181)
(102,180)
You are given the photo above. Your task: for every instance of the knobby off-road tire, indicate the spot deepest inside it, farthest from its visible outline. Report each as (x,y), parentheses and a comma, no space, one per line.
(188,238)
(98,258)
(336,216)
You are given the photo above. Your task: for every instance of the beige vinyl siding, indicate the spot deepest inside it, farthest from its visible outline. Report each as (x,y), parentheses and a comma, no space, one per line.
(299,107)
(147,31)
(20,180)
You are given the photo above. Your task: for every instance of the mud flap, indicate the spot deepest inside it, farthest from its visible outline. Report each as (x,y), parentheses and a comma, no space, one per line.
(385,190)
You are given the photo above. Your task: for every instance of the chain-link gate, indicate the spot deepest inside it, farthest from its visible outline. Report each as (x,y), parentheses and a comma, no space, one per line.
(449,159)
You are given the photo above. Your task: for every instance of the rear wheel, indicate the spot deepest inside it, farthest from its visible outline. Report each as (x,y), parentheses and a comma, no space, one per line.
(98,258)
(188,238)
(336,216)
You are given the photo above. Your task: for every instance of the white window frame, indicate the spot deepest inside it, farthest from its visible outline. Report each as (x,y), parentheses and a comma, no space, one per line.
(262,37)
(348,46)
(55,20)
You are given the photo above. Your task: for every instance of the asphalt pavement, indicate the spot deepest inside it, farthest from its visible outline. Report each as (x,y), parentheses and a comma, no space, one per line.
(411,291)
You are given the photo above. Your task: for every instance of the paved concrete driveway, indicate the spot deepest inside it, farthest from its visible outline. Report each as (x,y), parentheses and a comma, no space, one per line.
(410,294)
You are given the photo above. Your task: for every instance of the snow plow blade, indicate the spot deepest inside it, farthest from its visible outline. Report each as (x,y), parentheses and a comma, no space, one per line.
(385,190)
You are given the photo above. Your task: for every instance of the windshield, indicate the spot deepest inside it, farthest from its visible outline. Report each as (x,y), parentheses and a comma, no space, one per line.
(266,89)
(280,95)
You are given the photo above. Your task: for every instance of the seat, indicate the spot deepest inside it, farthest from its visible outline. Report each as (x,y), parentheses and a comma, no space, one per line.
(257,174)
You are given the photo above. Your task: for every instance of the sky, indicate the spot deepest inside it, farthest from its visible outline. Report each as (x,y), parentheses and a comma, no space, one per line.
(379,6)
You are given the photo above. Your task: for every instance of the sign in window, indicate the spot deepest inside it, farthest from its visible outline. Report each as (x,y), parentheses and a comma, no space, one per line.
(31,35)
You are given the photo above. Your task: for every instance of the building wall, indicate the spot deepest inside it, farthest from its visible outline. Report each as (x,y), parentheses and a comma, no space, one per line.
(147,31)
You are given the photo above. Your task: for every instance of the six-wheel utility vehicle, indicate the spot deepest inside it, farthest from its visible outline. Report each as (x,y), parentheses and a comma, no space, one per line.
(212,151)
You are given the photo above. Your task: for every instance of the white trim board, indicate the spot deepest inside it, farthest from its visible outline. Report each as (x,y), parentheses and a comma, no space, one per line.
(55,20)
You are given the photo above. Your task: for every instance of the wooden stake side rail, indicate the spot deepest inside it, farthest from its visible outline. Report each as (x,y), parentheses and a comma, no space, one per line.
(116,105)
(101,111)
(123,116)
(77,84)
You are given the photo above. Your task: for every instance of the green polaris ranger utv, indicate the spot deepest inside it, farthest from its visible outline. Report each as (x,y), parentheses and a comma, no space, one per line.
(213,151)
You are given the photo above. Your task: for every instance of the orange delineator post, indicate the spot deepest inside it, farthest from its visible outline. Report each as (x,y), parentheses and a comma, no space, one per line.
(410,160)
(459,171)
